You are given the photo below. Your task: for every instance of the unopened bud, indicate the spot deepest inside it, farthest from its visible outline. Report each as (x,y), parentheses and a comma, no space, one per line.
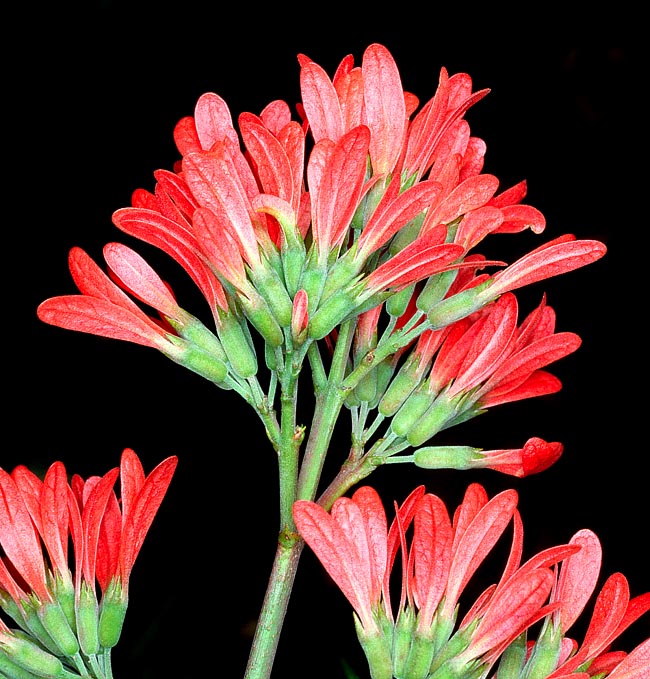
(411,410)
(56,624)
(29,657)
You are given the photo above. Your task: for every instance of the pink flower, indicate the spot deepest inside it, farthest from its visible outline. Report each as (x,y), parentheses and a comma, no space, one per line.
(40,519)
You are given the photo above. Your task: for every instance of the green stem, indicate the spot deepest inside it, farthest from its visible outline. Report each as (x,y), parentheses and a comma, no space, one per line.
(276,599)
(328,408)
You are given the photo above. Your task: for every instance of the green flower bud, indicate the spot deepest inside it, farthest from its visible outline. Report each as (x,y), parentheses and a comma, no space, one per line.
(27,618)
(261,318)
(56,624)
(384,372)
(112,611)
(411,410)
(195,332)
(293,261)
(36,662)
(202,363)
(331,313)
(275,294)
(237,346)
(435,289)
(433,420)
(396,304)
(402,385)
(402,639)
(511,662)
(87,620)
(457,306)
(446,457)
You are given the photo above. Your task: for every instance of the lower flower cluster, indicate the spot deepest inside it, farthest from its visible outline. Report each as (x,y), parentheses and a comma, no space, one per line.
(68,620)
(516,629)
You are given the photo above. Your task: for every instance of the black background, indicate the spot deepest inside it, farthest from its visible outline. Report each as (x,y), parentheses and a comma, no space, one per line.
(97,94)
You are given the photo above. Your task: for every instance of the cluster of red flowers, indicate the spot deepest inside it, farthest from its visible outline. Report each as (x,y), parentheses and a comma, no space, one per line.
(421,638)
(63,627)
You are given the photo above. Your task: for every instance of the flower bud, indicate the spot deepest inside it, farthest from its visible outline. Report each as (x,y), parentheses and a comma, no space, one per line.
(411,410)
(435,289)
(402,639)
(275,294)
(331,313)
(446,457)
(431,422)
(87,620)
(56,624)
(261,318)
(396,304)
(237,346)
(377,647)
(458,306)
(402,385)
(20,651)
(111,615)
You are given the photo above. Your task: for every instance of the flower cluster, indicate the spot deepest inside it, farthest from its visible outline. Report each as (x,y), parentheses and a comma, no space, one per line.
(70,617)
(357,225)
(345,238)
(422,638)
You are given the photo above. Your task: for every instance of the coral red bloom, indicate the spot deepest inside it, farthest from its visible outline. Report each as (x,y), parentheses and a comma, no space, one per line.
(53,596)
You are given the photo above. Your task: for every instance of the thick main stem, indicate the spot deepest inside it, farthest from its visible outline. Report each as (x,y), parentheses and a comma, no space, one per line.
(274,608)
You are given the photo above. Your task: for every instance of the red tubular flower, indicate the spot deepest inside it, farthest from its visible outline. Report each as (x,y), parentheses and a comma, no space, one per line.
(52,604)
(442,558)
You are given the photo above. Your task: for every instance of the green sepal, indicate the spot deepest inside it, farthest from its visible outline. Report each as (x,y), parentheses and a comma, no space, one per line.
(21,651)
(30,621)
(236,344)
(112,611)
(431,422)
(274,292)
(366,390)
(377,648)
(64,593)
(333,311)
(446,457)
(411,410)
(262,319)
(9,670)
(195,332)
(88,620)
(341,274)
(402,640)
(56,625)
(293,262)
(397,304)
(435,289)
(545,654)
(384,372)
(312,282)
(458,306)
(511,662)
(407,379)
(419,658)
(195,359)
